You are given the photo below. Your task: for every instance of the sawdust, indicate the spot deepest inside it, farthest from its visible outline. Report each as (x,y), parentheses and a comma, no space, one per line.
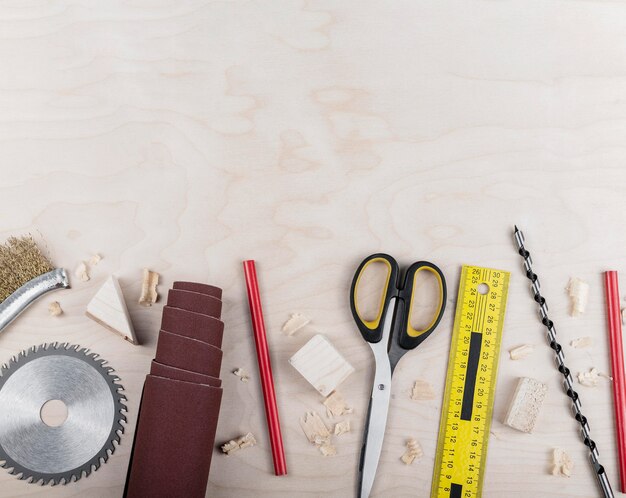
(238,444)
(422,390)
(521,352)
(413,451)
(295,323)
(562,464)
(317,433)
(149,294)
(242,374)
(591,378)
(342,428)
(336,406)
(54,308)
(82,272)
(578,292)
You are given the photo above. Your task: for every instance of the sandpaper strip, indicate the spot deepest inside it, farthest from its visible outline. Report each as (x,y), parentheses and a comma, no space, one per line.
(161,370)
(188,354)
(210,290)
(174,440)
(194,301)
(193,325)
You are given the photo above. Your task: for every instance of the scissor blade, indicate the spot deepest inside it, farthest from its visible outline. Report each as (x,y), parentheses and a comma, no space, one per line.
(376,424)
(377,412)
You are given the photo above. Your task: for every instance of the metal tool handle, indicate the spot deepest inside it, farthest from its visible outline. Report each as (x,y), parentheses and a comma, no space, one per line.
(17,302)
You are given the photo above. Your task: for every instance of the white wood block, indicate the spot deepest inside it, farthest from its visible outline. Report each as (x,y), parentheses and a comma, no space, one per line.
(321,364)
(108,308)
(527,401)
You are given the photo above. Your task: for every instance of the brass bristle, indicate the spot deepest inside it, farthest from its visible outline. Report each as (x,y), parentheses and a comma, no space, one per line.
(20,261)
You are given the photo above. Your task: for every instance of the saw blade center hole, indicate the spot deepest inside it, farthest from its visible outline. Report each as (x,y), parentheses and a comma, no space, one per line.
(483,289)
(53,413)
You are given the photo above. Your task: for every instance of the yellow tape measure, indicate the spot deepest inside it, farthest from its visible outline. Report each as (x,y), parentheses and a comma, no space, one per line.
(470,383)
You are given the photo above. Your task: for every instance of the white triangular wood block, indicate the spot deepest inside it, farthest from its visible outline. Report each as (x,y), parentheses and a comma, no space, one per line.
(108,308)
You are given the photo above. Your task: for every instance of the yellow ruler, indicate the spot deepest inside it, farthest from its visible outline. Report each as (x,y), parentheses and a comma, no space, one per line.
(470,383)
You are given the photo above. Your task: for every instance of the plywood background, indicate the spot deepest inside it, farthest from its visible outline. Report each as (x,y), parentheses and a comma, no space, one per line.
(187,136)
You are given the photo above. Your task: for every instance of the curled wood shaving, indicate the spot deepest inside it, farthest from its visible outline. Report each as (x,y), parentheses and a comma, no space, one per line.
(295,323)
(336,405)
(317,433)
(562,464)
(81,272)
(342,428)
(54,308)
(422,390)
(149,294)
(582,342)
(242,374)
(591,378)
(413,451)
(521,351)
(578,292)
(239,444)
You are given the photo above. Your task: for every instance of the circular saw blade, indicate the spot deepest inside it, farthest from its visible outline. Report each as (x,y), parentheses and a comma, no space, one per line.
(38,452)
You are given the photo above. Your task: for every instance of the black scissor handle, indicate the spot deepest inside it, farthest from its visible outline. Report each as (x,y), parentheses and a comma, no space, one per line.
(410,337)
(372,330)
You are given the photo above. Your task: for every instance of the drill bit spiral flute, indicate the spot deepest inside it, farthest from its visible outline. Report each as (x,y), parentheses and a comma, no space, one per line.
(568,382)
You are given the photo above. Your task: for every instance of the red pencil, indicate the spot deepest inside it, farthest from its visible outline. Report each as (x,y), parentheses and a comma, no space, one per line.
(617,368)
(265,369)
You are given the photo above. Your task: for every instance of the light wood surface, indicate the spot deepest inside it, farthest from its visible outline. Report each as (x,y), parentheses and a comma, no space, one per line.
(187,136)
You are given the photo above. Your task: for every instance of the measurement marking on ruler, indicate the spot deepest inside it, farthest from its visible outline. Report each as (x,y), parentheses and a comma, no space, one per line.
(470,378)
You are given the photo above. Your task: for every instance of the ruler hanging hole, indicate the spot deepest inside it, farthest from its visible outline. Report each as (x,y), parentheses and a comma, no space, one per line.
(483,288)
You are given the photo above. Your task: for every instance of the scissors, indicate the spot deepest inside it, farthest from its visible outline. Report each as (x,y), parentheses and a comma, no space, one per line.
(390,335)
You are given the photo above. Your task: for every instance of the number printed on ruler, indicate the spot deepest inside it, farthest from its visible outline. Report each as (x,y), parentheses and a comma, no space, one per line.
(470,384)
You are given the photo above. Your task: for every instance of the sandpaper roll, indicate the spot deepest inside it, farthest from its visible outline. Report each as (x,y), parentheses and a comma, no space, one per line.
(193,325)
(194,301)
(161,370)
(188,354)
(174,440)
(202,288)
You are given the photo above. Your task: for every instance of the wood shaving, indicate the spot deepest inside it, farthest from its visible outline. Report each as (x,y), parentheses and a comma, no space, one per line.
(317,433)
(95,259)
(422,390)
(562,464)
(578,292)
(238,444)
(342,428)
(526,403)
(521,352)
(413,451)
(295,323)
(591,378)
(336,406)
(582,342)
(242,374)
(54,308)
(149,294)
(81,272)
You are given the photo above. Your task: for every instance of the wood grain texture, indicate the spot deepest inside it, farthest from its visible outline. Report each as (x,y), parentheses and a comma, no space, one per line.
(187,136)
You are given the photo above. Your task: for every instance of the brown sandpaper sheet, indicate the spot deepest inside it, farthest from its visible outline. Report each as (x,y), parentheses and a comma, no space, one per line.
(188,354)
(193,325)
(211,290)
(195,301)
(161,370)
(175,439)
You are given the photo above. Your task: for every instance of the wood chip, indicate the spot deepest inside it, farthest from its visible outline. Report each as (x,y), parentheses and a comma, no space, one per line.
(591,378)
(336,406)
(95,259)
(521,352)
(242,374)
(526,403)
(562,464)
(342,428)
(81,272)
(314,428)
(422,390)
(413,451)
(295,323)
(149,294)
(239,444)
(54,308)
(328,449)
(582,342)
(578,292)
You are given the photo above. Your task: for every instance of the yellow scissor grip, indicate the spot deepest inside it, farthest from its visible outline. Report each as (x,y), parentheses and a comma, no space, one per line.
(409,328)
(372,324)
